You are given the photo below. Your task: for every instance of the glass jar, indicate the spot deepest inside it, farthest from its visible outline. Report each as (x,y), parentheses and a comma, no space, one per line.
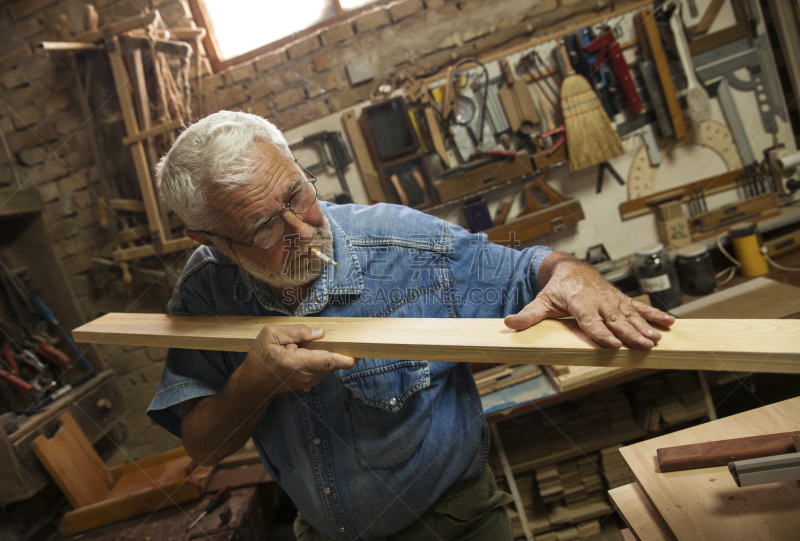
(657,277)
(695,270)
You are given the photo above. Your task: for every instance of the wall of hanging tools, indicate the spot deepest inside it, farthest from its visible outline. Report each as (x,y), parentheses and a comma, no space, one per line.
(702,140)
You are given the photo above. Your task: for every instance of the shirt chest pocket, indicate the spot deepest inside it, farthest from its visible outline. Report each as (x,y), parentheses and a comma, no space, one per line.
(390,410)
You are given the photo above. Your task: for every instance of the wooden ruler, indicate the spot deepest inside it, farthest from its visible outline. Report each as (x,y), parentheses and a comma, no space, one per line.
(762,345)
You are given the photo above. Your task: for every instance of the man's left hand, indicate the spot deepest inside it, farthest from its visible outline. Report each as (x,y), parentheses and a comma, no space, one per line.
(611,318)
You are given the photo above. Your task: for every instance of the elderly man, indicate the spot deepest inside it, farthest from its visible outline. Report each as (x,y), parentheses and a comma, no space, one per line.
(368,448)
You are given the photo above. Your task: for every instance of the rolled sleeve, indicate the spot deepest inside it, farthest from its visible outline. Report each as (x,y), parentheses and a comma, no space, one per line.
(187,374)
(539,253)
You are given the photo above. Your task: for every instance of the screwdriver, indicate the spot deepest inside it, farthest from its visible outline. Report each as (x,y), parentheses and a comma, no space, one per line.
(219,498)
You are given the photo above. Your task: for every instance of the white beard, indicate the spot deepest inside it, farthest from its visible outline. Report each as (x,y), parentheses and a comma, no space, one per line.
(296,272)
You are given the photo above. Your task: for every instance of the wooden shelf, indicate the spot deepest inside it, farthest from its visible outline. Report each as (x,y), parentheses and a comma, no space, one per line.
(581,447)
(514,411)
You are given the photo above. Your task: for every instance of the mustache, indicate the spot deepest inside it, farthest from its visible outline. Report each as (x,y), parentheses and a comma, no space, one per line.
(294,249)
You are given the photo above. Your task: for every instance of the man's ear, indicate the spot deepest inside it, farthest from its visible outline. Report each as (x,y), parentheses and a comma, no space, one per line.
(197,236)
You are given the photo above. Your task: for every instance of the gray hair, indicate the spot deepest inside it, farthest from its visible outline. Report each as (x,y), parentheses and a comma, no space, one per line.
(216,153)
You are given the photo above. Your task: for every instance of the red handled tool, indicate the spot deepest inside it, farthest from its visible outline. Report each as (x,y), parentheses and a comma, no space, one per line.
(50,354)
(562,138)
(13,381)
(606,45)
(219,498)
(8,355)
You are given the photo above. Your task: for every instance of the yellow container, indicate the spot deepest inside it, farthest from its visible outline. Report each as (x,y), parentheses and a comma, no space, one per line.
(748,250)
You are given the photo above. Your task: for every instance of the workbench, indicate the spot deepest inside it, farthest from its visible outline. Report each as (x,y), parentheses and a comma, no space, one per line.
(249,516)
(705,503)
(537,393)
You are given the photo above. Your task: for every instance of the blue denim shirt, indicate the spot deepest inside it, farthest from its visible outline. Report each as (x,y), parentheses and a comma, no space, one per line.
(368,450)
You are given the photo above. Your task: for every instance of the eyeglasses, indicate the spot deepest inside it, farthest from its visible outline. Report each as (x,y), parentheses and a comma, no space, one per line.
(272,230)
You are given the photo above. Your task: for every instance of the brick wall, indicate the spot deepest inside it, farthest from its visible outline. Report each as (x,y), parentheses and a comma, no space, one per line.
(41,119)
(308,79)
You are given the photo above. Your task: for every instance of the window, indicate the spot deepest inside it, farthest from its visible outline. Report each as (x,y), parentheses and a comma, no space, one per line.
(242,29)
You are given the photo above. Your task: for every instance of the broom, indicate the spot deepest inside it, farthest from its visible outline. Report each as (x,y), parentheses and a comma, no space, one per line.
(591,139)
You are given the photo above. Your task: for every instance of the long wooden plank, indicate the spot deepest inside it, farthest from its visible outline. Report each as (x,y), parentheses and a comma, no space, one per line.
(760,345)
(706,504)
(638,512)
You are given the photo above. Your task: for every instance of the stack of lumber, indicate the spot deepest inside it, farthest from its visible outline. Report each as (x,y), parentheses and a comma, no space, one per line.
(585,531)
(545,518)
(667,400)
(565,456)
(505,375)
(567,378)
(565,494)
(571,481)
(535,508)
(567,430)
(704,504)
(615,469)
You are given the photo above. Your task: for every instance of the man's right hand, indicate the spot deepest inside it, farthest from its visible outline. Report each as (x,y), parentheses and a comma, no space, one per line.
(285,366)
(216,426)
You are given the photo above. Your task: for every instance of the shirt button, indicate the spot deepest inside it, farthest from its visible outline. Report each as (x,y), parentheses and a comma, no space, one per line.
(392,401)
(307,390)
(317,441)
(342,529)
(326,490)
(316,300)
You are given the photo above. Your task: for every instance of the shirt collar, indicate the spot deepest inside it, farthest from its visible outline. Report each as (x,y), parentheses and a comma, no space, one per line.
(347,280)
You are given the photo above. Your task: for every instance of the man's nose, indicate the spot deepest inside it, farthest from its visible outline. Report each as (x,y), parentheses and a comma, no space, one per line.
(294,225)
